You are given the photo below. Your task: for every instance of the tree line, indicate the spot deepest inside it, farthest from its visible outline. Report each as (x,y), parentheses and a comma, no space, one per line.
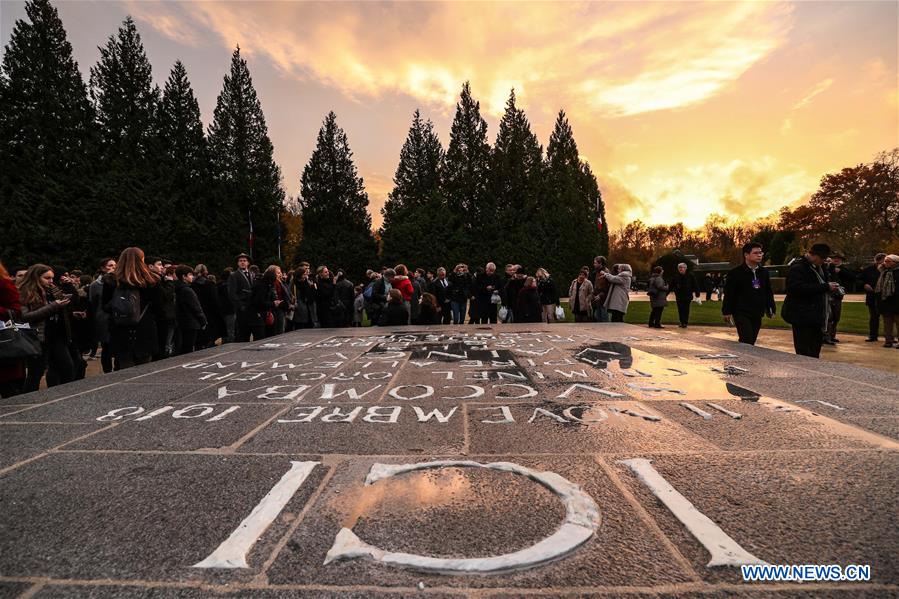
(93,167)
(855,211)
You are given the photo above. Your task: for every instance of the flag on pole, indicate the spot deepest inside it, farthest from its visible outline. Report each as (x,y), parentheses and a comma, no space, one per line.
(252,237)
(599,213)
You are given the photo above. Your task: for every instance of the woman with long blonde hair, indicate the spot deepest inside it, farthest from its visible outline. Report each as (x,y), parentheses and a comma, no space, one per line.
(134,338)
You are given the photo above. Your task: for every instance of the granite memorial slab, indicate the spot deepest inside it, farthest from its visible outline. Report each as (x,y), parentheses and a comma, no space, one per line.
(503,460)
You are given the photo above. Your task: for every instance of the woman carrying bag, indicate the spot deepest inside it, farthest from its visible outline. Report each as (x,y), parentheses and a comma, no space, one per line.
(38,309)
(134,302)
(12,366)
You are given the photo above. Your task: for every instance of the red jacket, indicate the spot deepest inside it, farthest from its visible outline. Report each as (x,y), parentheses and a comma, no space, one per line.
(10,306)
(405,287)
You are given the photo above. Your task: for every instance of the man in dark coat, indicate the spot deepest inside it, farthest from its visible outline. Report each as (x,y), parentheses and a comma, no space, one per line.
(685,289)
(346,294)
(240,289)
(806,307)
(485,284)
(748,295)
(189,314)
(439,288)
(868,279)
(379,292)
(839,273)
(513,286)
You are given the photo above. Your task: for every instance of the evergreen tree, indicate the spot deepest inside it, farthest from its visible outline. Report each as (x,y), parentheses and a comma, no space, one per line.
(415,215)
(126,101)
(516,178)
(334,204)
(568,210)
(465,182)
(243,165)
(45,126)
(196,230)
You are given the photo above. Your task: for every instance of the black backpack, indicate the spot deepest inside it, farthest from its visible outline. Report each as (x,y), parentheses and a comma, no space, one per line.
(124,307)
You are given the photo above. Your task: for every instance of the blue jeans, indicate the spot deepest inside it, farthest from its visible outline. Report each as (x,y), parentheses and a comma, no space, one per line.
(601,314)
(459,310)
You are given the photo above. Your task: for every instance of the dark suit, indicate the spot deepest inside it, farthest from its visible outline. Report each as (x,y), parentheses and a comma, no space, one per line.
(747,297)
(240,288)
(439,288)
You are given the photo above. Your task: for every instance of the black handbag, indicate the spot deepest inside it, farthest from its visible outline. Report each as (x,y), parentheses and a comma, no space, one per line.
(18,343)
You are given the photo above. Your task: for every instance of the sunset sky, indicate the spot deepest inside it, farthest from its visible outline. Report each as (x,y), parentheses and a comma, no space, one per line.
(682,109)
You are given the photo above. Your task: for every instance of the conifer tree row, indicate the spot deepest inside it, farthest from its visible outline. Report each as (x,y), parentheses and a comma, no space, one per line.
(88,171)
(506,204)
(91,169)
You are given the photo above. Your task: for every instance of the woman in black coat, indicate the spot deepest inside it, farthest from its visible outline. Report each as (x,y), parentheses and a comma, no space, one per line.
(395,314)
(207,294)
(188,312)
(527,307)
(326,305)
(264,299)
(132,343)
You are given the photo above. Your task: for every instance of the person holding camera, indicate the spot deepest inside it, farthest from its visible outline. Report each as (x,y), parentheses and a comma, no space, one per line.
(806,306)
(840,274)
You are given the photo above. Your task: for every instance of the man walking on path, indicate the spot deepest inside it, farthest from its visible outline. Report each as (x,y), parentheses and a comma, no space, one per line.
(748,295)
(806,306)
(685,289)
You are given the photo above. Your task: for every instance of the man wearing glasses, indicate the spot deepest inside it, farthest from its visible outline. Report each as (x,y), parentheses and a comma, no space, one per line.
(748,295)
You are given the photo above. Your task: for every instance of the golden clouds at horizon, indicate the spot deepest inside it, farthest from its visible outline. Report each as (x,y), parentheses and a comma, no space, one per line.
(616,58)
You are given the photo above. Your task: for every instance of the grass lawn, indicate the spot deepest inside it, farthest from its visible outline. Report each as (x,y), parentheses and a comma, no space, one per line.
(854,318)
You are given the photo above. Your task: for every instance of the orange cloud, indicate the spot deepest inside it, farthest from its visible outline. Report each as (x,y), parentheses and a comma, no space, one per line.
(619,58)
(738,189)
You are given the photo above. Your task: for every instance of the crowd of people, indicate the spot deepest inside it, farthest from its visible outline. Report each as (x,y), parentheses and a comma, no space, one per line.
(139,308)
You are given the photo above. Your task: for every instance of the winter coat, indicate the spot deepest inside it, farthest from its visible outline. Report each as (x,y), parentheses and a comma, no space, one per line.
(226,308)
(527,307)
(38,315)
(890,304)
(741,296)
(482,281)
(619,292)
(658,292)
(460,287)
(684,286)
(239,290)
(584,296)
(510,293)
(358,306)
(346,293)
(142,340)
(440,291)
(405,286)
(549,292)
(806,298)
(101,317)
(427,315)
(262,300)
(189,313)
(600,287)
(10,309)
(394,315)
(208,296)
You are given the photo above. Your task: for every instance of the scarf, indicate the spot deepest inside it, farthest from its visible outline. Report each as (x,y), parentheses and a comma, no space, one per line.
(886,284)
